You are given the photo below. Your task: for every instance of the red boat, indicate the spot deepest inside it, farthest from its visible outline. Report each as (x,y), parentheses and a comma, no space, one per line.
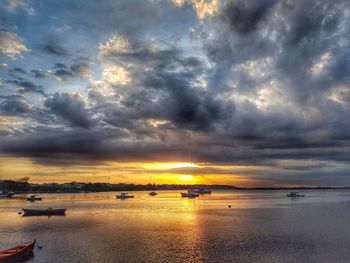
(17,253)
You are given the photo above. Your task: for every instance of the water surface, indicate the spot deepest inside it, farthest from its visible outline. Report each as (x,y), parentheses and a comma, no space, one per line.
(260,226)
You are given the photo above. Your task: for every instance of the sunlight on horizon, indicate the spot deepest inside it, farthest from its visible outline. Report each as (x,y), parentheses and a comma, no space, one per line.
(187,179)
(170,165)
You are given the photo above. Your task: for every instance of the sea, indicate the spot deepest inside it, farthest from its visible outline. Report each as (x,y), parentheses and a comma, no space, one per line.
(224,226)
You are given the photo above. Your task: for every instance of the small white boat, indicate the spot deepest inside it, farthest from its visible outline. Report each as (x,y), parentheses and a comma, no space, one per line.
(295,194)
(124,196)
(190,194)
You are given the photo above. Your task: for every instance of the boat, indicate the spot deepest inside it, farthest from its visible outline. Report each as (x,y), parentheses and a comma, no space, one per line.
(295,194)
(190,194)
(47,211)
(6,194)
(124,196)
(34,198)
(18,253)
(153,193)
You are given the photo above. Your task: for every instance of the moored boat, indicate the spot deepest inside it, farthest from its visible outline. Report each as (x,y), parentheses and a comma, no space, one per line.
(6,194)
(190,194)
(295,194)
(47,211)
(124,196)
(15,254)
(153,193)
(34,198)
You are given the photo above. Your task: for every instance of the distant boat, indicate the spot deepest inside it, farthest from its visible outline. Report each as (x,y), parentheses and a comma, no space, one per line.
(15,254)
(295,194)
(6,194)
(34,198)
(47,211)
(124,196)
(190,194)
(152,193)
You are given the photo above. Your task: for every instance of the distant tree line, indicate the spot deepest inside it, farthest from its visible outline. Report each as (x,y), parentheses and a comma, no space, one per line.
(23,185)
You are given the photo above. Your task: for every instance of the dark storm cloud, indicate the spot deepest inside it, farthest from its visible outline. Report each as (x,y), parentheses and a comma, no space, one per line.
(168,91)
(184,105)
(70,107)
(294,36)
(244,17)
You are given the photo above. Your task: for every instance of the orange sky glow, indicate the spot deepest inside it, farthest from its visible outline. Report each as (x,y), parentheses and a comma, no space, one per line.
(128,172)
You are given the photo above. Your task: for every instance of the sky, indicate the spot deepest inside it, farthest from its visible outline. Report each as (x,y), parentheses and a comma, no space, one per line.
(248,93)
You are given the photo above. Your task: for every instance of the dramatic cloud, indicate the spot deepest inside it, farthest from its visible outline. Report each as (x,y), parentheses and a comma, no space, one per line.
(260,84)
(70,107)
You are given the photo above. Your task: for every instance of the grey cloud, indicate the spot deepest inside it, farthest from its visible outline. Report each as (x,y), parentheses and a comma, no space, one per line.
(27,86)
(244,17)
(79,68)
(14,105)
(37,73)
(17,71)
(70,107)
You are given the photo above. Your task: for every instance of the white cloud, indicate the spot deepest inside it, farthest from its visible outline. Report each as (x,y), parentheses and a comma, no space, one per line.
(115,44)
(319,67)
(203,8)
(116,76)
(11,45)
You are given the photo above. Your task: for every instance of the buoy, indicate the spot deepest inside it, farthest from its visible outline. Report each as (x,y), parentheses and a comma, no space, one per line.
(229,206)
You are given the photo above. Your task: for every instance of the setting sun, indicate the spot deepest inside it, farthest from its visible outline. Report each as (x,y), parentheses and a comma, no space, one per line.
(187,179)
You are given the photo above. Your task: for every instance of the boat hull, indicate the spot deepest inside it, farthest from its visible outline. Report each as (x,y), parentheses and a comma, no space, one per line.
(192,195)
(124,197)
(44,211)
(34,199)
(205,192)
(18,253)
(289,195)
